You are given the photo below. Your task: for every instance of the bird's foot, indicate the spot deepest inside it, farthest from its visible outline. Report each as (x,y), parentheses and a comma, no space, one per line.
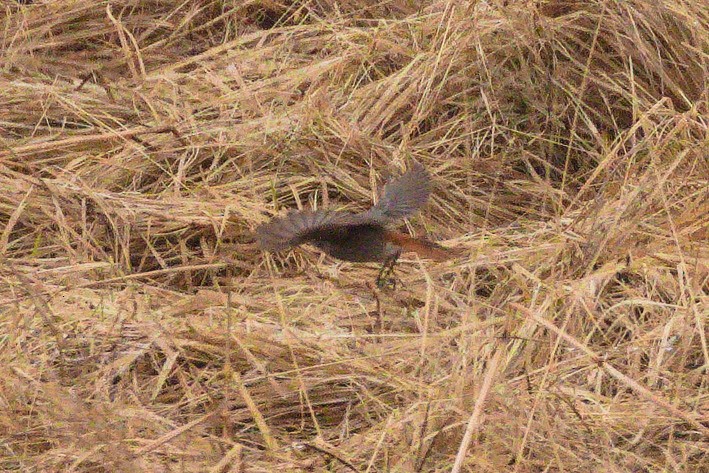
(387,283)
(386,277)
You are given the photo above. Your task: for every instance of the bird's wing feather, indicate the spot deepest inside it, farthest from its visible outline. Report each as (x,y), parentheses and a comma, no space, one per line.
(297,227)
(402,196)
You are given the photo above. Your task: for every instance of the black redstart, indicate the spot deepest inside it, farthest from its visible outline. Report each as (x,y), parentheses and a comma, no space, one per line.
(361,237)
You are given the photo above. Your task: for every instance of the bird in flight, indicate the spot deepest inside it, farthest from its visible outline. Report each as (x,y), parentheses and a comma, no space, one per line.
(360,237)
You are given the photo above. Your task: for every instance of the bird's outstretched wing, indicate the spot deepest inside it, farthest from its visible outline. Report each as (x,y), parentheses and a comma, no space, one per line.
(298,227)
(402,196)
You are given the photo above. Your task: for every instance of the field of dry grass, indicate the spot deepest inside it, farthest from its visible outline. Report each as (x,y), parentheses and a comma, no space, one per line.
(143,141)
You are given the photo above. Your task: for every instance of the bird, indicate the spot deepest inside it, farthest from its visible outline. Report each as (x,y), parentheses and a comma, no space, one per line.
(360,237)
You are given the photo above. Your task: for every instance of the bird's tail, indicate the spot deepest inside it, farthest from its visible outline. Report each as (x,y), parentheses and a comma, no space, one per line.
(422,247)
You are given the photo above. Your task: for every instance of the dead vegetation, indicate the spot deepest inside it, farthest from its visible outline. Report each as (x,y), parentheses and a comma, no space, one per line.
(141,142)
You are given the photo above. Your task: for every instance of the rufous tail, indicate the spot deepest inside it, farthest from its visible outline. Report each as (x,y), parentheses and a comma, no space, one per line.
(422,247)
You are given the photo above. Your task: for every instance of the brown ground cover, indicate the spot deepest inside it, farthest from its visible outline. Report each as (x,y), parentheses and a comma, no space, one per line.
(142,142)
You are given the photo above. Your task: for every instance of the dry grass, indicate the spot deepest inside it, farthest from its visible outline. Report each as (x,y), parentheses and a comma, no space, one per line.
(141,142)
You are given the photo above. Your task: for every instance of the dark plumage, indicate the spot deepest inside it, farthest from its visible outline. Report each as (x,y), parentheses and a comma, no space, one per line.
(359,237)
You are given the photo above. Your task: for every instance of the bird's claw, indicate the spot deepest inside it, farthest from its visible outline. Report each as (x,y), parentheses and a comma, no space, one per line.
(385,283)
(386,277)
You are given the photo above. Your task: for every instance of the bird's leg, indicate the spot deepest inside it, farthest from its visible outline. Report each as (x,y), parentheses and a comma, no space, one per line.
(388,269)
(380,276)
